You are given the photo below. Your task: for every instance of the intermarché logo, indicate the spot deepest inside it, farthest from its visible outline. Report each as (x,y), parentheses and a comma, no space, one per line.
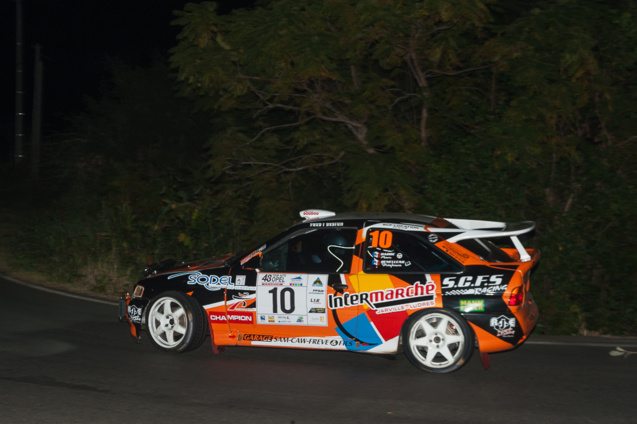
(385,298)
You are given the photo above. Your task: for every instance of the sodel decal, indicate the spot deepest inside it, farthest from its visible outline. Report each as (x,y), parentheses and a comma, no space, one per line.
(210,282)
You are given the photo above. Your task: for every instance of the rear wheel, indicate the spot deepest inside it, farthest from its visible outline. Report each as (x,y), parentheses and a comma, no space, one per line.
(176,322)
(437,340)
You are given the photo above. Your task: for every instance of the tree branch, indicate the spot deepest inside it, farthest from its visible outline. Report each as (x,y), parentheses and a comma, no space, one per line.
(283,168)
(277,127)
(436,72)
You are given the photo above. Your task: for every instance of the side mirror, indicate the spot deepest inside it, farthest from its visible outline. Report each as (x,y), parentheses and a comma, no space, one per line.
(253,262)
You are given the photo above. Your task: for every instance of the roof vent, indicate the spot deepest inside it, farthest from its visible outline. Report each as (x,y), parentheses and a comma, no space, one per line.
(315,214)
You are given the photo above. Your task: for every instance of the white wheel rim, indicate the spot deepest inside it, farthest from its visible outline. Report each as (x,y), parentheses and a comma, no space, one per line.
(436,340)
(167,322)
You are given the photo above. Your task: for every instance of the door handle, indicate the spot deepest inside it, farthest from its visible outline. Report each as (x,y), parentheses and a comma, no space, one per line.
(340,287)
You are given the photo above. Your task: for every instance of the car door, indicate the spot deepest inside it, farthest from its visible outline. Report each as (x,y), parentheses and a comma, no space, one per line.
(400,275)
(296,285)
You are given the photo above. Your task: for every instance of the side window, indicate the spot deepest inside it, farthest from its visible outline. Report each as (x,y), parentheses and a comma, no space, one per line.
(395,252)
(275,260)
(316,251)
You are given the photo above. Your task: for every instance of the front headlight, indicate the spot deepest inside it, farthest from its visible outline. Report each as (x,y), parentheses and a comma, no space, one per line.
(139,291)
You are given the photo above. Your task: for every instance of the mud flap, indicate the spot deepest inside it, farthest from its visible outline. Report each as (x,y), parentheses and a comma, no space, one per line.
(486,360)
(215,349)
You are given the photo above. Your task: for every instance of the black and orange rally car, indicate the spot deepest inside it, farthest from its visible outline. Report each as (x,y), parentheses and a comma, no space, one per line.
(379,283)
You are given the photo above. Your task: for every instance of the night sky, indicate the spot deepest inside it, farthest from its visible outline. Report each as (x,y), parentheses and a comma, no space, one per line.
(77,38)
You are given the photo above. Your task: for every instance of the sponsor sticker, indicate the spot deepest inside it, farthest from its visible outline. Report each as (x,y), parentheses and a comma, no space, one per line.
(135,314)
(272,279)
(471,305)
(472,281)
(396,226)
(389,300)
(231,317)
(244,301)
(244,288)
(291,299)
(454,253)
(326,224)
(504,325)
(209,282)
(308,342)
(478,291)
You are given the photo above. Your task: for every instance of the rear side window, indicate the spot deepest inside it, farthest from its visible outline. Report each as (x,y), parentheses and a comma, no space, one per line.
(486,249)
(391,252)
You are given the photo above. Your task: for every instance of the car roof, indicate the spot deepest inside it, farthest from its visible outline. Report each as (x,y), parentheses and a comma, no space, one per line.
(376,216)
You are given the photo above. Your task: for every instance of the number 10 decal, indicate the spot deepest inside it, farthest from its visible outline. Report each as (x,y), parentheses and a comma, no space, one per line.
(285,299)
(292,299)
(381,239)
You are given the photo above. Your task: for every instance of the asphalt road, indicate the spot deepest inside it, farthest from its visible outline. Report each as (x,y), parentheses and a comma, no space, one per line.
(69,360)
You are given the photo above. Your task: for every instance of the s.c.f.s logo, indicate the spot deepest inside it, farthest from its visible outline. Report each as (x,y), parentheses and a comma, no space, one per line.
(467,281)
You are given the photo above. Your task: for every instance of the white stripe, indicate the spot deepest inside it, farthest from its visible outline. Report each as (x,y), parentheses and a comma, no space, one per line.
(59,292)
(613,345)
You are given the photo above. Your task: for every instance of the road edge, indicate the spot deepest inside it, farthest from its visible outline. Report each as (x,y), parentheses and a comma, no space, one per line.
(58,291)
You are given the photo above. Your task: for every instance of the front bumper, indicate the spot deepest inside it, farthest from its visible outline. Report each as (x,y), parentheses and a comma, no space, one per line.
(121,308)
(131,310)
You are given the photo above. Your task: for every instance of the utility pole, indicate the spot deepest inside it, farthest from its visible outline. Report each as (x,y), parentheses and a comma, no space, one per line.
(19,93)
(36,121)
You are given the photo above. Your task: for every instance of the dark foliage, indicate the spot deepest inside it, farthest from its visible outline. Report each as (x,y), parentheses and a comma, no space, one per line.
(516,111)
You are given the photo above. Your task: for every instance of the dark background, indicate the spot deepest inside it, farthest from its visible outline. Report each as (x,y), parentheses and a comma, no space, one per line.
(78,39)
(132,174)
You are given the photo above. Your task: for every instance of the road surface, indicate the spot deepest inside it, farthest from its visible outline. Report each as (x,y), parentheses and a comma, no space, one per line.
(68,360)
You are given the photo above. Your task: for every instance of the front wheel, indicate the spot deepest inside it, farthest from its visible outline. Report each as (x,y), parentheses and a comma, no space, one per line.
(437,340)
(176,322)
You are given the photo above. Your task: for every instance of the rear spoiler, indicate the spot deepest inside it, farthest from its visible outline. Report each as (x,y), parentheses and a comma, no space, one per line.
(474,229)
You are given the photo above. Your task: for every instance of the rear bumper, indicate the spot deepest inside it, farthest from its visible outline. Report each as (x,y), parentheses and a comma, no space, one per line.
(503,331)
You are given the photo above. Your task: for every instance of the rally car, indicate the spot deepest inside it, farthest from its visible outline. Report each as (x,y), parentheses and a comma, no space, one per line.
(380,283)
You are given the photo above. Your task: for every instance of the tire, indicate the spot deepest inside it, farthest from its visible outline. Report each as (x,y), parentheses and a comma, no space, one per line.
(176,322)
(437,340)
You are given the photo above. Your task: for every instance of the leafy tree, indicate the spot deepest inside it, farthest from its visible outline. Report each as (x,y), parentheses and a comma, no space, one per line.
(334,89)
(458,107)
(464,108)
(567,122)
